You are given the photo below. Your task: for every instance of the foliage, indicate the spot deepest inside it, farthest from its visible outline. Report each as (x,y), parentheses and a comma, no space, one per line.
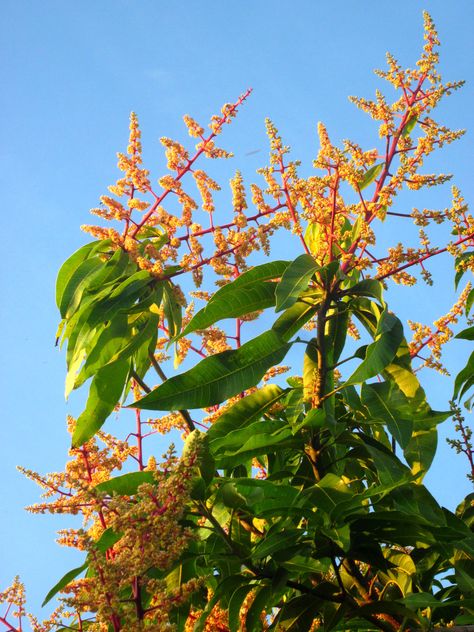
(301,504)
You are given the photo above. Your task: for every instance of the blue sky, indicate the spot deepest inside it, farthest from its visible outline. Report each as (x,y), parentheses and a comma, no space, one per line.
(72,72)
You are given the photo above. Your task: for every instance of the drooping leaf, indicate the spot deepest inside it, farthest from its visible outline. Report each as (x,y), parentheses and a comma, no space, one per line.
(328,493)
(337,330)
(218,377)
(294,281)
(469,302)
(104,394)
(421,449)
(461,267)
(100,275)
(108,342)
(126,484)
(223,590)
(388,337)
(68,269)
(261,601)
(121,297)
(297,614)
(117,342)
(98,312)
(367,287)
(265,497)
(172,310)
(235,604)
(464,379)
(464,572)
(387,402)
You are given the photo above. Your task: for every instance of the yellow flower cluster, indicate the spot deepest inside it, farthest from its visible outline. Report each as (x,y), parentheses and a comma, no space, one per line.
(71,491)
(435,337)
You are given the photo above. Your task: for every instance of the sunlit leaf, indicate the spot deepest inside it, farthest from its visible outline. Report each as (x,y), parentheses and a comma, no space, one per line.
(294,281)
(219,376)
(104,394)
(241,301)
(126,484)
(370,175)
(379,354)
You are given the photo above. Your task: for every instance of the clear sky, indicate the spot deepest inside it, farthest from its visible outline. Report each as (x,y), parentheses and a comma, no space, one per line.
(73,70)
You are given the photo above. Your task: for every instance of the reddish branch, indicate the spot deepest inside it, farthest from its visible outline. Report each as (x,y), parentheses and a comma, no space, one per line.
(184,170)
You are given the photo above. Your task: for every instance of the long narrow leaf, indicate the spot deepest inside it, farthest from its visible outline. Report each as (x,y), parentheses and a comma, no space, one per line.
(218,377)
(239,302)
(380,353)
(245,411)
(295,281)
(104,394)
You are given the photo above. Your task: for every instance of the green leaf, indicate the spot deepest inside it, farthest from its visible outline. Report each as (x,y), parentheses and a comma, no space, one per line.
(264,497)
(226,587)
(380,353)
(370,175)
(108,538)
(104,394)
(387,402)
(96,313)
(117,342)
(464,572)
(250,441)
(264,272)
(276,541)
(297,614)
(67,271)
(421,450)
(239,302)
(121,297)
(293,319)
(63,582)
(126,484)
(261,600)
(337,329)
(79,275)
(218,377)
(294,281)
(464,378)
(231,497)
(108,341)
(172,310)
(314,419)
(390,470)
(469,301)
(310,371)
(466,334)
(410,125)
(367,287)
(99,276)
(245,411)
(235,604)
(329,493)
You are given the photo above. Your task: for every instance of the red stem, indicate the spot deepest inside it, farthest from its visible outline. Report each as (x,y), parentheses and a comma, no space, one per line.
(433,253)
(181,172)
